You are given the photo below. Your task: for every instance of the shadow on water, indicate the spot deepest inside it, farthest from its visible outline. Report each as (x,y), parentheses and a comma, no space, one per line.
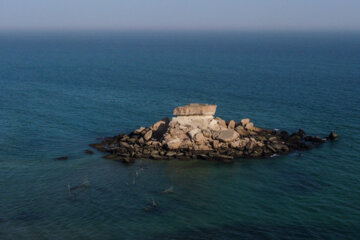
(242,230)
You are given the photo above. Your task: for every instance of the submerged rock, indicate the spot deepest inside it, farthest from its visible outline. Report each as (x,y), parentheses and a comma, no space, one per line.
(195,133)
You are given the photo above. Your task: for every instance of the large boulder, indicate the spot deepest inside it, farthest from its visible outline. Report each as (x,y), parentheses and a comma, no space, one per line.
(148,135)
(228,135)
(195,109)
(173,144)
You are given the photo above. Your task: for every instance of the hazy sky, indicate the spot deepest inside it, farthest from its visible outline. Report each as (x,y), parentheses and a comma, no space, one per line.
(180,14)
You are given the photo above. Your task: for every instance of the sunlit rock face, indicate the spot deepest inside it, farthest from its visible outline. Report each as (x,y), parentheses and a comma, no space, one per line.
(195,109)
(194,115)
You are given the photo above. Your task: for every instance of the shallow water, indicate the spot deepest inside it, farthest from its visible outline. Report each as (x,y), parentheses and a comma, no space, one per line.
(61,91)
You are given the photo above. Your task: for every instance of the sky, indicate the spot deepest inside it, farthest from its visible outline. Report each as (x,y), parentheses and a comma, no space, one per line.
(179,14)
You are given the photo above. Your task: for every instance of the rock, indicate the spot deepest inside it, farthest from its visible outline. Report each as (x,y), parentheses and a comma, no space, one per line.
(100,146)
(173,144)
(214,125)
(223,157)
(235,144)
(160,123)
(170,154)
(193,132)
(148,135)
(206,133)
(332,136)
(245,121)
(284,134)
(293,138)
(111,156)
(139,130)
(128,160)
(132,140)
(249,126)
(280,147)
(232,124)
(89,151)
(199,138)
(301,133)
(202,147)
(241,131)
(227,135)
(188,122)
(124,144)
(62,158)
(315,139)
(160,128)
(215,144)
(221,123)
(195,109)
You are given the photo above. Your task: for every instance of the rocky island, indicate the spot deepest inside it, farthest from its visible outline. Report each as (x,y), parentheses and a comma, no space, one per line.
(196,133)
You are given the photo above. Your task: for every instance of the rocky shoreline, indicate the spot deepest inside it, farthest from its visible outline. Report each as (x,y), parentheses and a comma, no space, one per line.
(196,134)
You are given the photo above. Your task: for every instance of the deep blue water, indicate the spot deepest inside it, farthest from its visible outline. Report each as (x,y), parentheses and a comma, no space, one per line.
(61,91)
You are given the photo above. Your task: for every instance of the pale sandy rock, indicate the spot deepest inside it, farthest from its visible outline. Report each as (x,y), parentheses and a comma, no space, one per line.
(186,143)
(243,142)
(174,143)
(199,138)
(249,126)
(139,130)
(193,132)
(227,135)
(177,133)
(215,144)
(232,124)
(221,123)
(214,125)
(148,135)
(195,109)
(245,121)
(206,133)
(192,121)
(202,147)
(235,144)
(241,131)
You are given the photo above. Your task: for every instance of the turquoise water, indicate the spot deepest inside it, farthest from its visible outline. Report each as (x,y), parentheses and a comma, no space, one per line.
(61,91)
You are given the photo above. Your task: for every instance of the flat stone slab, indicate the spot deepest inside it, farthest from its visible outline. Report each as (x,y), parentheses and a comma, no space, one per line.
(195,109)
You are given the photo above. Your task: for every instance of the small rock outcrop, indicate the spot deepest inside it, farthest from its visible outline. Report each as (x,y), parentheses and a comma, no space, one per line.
(195,133)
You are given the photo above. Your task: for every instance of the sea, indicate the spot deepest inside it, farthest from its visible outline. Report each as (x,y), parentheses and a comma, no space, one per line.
(61,91)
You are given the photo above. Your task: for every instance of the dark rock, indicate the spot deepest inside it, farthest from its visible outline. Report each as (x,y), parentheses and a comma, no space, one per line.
(332,136)
(315,139)
(111,156)
(89,151)
(128,160)
(62,158)
(301,133)
(294,138)
(124,144)
(99,146)
(284,134)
